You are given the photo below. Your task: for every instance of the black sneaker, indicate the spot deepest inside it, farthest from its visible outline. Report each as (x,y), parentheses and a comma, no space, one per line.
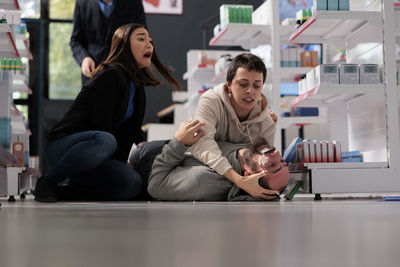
(45,190)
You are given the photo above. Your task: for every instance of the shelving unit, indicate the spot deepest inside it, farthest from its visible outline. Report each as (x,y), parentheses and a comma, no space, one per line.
(371,121)
(340,27)
(366,117)
(325,94)
(15,179)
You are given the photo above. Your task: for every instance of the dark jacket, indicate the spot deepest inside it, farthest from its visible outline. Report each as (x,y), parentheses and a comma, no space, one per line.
(101,105)
(92,32)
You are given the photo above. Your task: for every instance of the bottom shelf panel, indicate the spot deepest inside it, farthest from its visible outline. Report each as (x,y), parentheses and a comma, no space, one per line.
(346,180)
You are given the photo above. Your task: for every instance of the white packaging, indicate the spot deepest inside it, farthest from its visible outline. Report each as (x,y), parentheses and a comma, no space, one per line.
(318,154)
(338,151)
(331,152)
(5,102)
(292,57)
(312,151)
(349,74)
(285,57)
(369,74)
(310,78)
(327,74)
(260,15)
(324,151)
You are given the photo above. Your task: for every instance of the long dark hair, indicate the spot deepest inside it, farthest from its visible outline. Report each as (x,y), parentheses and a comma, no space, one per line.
(121,55)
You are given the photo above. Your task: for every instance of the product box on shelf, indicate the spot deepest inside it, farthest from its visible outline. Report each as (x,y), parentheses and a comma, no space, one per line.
(305,111)
(235,14)
(309,59)
(349,74)
(344,5)
(5,100)
(20,148)
(12,17)
(327,74)
(311,81)
(352,156)
(5,132)
(320,5)
(259,17)
(333,4)
(370,74)
(309,151)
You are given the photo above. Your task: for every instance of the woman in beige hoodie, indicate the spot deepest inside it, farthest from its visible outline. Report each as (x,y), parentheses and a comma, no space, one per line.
(236,112)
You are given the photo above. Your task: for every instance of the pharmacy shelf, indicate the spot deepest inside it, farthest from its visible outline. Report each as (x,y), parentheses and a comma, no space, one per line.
(347,165)
(324,94)
(340,26)
(290,74)
(8,48)
(249,35)
(285,122)
(20,86)
(242,34)
(201,73)
(22,44)
(221,77)
(9,4)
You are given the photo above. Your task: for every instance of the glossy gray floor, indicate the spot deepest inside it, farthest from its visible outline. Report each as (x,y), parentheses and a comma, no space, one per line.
(303,232)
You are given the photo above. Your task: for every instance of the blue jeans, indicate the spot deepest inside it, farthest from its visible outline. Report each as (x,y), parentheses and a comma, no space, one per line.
(85,159)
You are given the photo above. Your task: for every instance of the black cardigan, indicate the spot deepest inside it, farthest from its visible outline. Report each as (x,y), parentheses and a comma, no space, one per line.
(91,37)
(100,105)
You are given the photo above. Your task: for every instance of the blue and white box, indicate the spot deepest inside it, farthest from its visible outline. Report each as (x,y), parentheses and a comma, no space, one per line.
(320,5)
(344,5)
(333,4)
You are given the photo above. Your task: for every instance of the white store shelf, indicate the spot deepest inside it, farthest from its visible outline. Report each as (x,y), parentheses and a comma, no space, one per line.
(285,122)
(324,94)
(20,86)
(340,27)
(290,74)
(9,4)
(347,165)
(242,34)
(200,73)
(22,44)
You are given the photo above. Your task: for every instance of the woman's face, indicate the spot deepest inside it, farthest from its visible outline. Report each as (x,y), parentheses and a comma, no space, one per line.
(246,88)
(141,47)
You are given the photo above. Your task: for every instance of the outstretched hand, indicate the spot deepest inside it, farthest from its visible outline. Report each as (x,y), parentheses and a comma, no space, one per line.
(189,132)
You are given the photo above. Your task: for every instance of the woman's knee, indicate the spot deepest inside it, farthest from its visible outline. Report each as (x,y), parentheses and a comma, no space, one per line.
(106,140)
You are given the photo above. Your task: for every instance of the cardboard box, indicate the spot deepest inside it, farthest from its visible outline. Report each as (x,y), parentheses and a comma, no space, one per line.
(305,58)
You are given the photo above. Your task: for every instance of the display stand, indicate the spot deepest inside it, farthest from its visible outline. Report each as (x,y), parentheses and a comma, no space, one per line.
(376,136)
(15,178)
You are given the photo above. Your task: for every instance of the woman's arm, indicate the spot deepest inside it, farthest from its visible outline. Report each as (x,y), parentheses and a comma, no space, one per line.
(206,150)
(250,184)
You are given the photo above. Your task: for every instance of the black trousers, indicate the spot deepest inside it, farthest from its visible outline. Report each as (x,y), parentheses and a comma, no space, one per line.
(142,161)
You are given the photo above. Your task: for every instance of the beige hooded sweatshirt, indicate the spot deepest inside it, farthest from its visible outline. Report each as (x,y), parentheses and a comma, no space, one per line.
(222,124)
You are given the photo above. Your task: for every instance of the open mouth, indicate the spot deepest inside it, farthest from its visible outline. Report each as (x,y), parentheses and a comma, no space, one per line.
(248,100)
(148,55)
